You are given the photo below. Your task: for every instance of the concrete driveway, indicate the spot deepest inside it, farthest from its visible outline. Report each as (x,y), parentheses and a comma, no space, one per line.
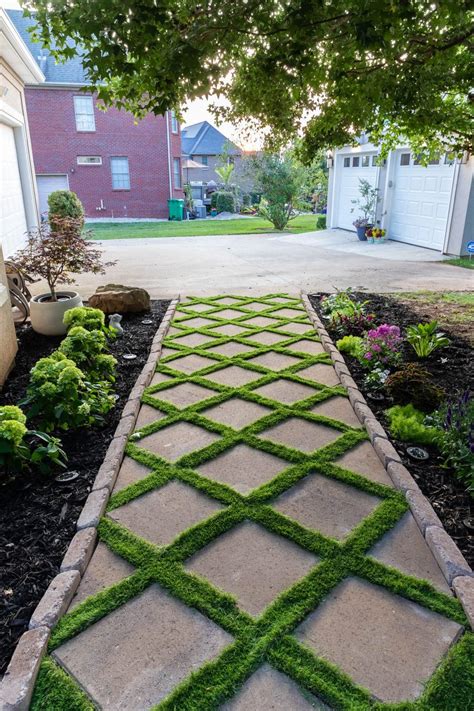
(262,264)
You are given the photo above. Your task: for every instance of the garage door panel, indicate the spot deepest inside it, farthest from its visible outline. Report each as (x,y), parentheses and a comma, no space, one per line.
(348,190)
(12,210)
(48,184)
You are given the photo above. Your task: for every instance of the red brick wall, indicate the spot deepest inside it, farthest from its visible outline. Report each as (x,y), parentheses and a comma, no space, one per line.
(56,145)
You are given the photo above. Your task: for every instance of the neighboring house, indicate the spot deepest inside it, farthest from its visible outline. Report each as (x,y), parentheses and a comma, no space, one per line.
(205,144)
(118,167)
(18,201)
(430,206)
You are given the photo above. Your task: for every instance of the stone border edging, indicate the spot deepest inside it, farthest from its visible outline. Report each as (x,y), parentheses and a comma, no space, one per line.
(451,561)
(17,685)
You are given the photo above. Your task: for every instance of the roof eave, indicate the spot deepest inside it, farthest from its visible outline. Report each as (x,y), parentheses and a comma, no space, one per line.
(16,54)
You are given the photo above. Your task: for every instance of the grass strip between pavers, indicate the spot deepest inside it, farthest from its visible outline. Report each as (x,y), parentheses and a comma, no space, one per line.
(267,638)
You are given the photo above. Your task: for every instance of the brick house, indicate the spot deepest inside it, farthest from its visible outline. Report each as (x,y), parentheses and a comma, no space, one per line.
(118,167)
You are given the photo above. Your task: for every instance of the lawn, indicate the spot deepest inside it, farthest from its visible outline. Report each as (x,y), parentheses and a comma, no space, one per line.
(191,228)
(465,262)
(454,310)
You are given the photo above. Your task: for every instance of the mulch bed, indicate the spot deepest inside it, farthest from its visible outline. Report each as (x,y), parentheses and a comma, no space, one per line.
(452,369)
(38,515)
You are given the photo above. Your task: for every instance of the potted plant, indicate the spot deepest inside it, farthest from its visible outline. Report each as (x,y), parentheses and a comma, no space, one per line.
(367,204)
(375,235)
(55,253)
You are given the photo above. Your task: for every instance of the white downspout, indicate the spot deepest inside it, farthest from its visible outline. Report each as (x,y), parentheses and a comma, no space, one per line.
(168,143)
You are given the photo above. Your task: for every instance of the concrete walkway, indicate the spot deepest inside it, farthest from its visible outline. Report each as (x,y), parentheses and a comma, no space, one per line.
(253,537)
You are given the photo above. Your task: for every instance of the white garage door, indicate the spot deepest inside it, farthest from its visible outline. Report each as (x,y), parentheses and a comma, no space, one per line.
(48,184)
(12,209)
(420,201)
(350,170)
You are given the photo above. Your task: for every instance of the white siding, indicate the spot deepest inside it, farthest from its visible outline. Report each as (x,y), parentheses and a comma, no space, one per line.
(12,210)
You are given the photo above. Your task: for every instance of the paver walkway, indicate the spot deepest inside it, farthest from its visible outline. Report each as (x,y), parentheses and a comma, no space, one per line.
(254,554)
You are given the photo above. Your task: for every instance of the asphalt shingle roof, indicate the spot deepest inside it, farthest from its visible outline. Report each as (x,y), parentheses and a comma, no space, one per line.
(204,139)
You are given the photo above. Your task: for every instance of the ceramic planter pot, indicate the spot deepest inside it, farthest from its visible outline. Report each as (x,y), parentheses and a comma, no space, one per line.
(47,316)
(361,233)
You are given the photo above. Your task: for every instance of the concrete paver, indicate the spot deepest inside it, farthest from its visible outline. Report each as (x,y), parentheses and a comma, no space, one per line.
(105,568)
(338,408)
(363,460)
(236,413)
(274,361)
(231,348)
(286,391)
(176,440)
(184,394)
(234,376)
(243,468)
(301,434)
(130,472)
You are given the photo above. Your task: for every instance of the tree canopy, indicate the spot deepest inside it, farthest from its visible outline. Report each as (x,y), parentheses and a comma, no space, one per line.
(324,70)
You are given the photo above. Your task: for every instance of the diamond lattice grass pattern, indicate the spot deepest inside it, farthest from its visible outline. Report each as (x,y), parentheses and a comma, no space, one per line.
(258,554)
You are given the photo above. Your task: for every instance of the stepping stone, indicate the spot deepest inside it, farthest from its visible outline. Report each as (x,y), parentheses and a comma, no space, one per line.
(274,361)
(284,299)
(270,690)
(197,322)
(267,338)
(261,321)
(236,413)
(229,314)
(234,376)
(134,657)
(162,514)
(285,391)
(227,300)
(256,306)
(320,373)
(290,313)
(252,564)
(184,394)
(300,434)
(104,569)
(243,468)
(362,459)
(176,440)
(229,329)
(174,330)
(296,328)
(167,351)
(307,346)
(130,472)
(326,505)
(232,348)
(384,642)
(196,307)
(190,363)
(147,415)
(160,378)
(404,547)
(192,340)
(338,408)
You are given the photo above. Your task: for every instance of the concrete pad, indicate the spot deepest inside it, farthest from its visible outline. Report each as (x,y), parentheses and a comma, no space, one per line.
(300,434)
(229,314)
(261,321)
(190,363)
(267,338)
(105,569)
(135,656)
(382,641)
(270,690)
(160,378)
(192,340)
(362,459)
(405,548)
(296,328)
(176,440)
(290,313)
(307,346)
(236,413)
(326,505)
(339,408)
(198,322)
(162,514)
(147,415)
(232,348)
(286,391)
(274,361)
(129,473)
(320,373)
(243,468)
(184,394)
(229,329)
(234,376)
(252,564)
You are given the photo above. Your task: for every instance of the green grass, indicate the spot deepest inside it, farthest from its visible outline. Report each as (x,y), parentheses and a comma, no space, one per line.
(462,298)
(466,262)
(194,228)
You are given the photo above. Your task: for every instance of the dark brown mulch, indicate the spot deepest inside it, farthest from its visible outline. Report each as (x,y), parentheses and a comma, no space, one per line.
(37,514)
(452,369)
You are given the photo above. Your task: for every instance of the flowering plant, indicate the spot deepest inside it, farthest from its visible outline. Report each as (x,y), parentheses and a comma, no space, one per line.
(381,347)
(375,232)
(455,421)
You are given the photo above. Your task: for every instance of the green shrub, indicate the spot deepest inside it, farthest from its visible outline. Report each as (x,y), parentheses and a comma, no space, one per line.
(320,222)
(65,203)
(413,384)
(425,339)
(408,425)
(86,349)
(60,396)
(246,200)
(225,201)
(351,345)
(277,213)
(214,199)
(87,317)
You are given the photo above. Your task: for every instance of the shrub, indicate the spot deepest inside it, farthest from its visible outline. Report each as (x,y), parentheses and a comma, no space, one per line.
(455,421)
(276,213)
(246,200)
(351,345)
(381,347)
(407,424)
(214,199)
(225,201)
(86,349)
(355,324)
(87,317)
(425,339)
(320,222)
(60,396)
(342,304)
(65,203)
(413,384)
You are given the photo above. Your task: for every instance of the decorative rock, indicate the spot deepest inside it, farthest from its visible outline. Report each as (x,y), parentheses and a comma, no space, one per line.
(125,426)
(113,298)
(56,599)
(108,470)
(374,429)
(363,411)
(449,557)
(386,451)
(422,510)
(355,395)
(18,683)
(402,478)
(93,509)
(464,588)
(131,408)
(347,380)
(80,550)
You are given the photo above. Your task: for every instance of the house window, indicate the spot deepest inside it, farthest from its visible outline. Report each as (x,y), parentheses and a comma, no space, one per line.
(120,173)
(355,162)
(84,113)
(449,159)
(347,162)
(174,123)
(204,160)
(365,161)
(177,172)
(434,161)
(89,160)
(405,159)
(375,161)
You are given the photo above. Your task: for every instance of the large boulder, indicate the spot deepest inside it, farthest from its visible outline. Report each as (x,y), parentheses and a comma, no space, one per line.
(117,298)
